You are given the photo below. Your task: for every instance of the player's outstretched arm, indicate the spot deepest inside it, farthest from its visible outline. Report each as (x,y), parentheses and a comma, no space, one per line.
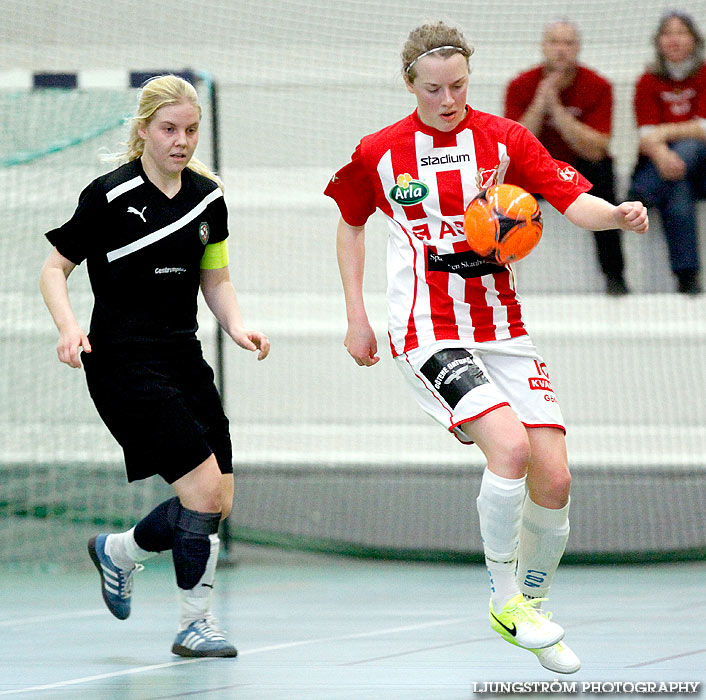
(596,214)
(360,340)
(219,293)
(52,283)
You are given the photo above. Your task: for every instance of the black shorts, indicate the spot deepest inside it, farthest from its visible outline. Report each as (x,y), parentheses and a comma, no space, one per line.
(165,413)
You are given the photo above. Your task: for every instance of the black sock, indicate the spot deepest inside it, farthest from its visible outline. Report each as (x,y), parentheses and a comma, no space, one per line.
(155,532)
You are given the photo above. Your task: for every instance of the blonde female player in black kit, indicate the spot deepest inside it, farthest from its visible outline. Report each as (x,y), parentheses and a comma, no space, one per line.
(152,232)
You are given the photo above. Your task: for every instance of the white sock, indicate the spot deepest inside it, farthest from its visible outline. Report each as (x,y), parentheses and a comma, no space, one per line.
(543,538)
(124,551)
(196,602)
(503,584)
(500,514)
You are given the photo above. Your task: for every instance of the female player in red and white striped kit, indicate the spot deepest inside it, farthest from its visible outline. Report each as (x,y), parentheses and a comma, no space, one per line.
(455,322)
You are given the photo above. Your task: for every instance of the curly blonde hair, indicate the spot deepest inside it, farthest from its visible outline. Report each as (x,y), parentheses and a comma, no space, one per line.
(429,37)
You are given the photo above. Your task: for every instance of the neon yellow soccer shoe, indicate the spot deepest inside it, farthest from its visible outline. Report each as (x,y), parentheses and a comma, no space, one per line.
(523,624)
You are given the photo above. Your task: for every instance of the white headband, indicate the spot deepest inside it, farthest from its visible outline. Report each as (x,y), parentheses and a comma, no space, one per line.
(426,53)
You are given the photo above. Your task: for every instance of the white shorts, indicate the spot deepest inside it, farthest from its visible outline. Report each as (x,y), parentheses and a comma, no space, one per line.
(455,384)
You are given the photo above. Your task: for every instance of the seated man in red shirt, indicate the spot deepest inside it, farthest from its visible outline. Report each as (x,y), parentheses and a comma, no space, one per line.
(568,107)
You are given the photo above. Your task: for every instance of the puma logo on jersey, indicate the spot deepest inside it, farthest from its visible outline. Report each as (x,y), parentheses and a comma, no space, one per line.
(141,214)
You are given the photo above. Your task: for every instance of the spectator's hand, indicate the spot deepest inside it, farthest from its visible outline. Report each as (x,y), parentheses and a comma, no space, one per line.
(670,165)
(547,93)
(362,345)
(632,216)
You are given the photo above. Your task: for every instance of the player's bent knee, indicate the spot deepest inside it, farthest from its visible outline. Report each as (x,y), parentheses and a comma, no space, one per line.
(226,509)
(519,453)
(211,502)
(511,459)
(552,489)
(206,495)
(558,479)
(201,488)
(562,484)
(227,495)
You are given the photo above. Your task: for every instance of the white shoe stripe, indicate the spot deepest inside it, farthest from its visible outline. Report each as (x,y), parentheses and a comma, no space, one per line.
(200,633)
(192,641)
(118,583)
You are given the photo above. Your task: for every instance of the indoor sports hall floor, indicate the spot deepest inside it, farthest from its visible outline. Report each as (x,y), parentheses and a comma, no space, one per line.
(323,627)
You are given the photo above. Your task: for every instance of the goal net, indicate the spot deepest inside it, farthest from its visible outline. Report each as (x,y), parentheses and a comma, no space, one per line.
(329,455)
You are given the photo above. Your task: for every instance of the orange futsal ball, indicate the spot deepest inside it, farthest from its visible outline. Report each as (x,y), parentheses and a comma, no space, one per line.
(503,223)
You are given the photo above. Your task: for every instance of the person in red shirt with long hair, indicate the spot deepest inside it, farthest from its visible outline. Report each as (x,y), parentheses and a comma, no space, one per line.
(568,107)
(670,109)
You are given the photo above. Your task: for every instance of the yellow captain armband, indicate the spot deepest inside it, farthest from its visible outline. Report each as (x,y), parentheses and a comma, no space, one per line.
(215,256)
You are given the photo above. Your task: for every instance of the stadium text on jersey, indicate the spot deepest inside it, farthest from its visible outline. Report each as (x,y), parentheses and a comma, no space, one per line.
(448,158)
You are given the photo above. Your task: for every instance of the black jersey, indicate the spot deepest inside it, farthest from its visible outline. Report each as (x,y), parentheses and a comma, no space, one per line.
(143,252)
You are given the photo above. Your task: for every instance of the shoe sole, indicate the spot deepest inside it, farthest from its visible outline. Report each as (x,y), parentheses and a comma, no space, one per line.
(93,553)
(556,669)
(537,652)
(219,653)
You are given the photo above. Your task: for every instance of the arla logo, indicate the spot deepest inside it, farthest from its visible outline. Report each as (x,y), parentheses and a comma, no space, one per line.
(408,191)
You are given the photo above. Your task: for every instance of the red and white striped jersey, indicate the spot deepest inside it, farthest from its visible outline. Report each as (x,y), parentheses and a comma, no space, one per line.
(422,180)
